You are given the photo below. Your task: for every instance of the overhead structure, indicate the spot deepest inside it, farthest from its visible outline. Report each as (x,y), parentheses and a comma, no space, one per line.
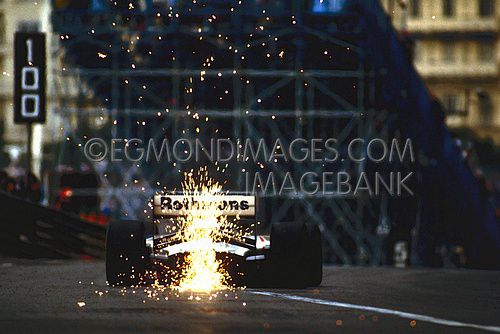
(258,70)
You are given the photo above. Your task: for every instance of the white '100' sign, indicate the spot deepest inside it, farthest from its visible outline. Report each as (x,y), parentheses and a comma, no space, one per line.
(30,100)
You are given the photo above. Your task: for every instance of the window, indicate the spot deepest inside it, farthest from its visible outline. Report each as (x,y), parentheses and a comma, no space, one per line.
(415,8)
(417,52)
(28,26)
(485,51)
(452,103)
(466,53)
(448,8)
(486,8)
(449,52)
(432,53)
(2,28)
(485,107)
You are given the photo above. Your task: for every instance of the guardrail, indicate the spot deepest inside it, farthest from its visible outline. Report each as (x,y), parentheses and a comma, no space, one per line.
(30,230)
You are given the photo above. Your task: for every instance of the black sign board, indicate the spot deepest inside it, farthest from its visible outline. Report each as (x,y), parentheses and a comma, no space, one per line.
(29,77)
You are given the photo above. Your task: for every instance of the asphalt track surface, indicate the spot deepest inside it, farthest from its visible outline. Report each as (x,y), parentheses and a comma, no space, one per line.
(43,297)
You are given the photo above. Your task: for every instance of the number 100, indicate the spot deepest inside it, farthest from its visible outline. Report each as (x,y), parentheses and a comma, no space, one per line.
(30,81)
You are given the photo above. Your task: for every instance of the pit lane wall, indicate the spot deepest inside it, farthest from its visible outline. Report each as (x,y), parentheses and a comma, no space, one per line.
(30,230)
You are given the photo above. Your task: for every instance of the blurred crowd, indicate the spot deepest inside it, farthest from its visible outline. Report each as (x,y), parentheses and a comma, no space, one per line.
(25,185)
(77,192)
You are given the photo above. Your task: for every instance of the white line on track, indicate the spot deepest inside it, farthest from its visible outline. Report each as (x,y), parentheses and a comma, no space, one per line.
(401,314)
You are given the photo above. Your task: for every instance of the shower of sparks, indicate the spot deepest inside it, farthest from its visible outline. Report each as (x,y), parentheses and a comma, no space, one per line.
(202,227)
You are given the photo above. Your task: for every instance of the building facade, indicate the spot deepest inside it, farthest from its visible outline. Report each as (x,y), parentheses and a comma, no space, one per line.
(21,15)
(457,52)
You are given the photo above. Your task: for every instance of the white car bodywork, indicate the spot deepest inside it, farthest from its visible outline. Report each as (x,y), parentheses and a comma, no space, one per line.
(262,242)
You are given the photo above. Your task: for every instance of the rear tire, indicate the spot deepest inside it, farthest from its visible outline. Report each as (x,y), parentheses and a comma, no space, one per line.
(296,255)
(289,241)
(126,253)
(315,257)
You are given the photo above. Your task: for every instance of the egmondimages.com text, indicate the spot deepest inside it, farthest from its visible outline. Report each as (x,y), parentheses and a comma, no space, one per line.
(299,151)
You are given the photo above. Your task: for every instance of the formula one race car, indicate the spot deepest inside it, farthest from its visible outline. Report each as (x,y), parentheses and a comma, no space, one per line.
(290,256)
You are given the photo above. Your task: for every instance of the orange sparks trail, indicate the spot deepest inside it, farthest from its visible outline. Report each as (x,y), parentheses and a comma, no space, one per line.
(202,227)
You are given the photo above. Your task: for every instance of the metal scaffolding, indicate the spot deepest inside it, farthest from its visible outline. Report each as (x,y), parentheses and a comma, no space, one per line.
(254,74)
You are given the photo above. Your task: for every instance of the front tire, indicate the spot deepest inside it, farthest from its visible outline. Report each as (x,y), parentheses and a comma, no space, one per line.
(126,253)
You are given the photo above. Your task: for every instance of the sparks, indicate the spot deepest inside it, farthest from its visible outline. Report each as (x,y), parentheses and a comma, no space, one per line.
(203,227)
